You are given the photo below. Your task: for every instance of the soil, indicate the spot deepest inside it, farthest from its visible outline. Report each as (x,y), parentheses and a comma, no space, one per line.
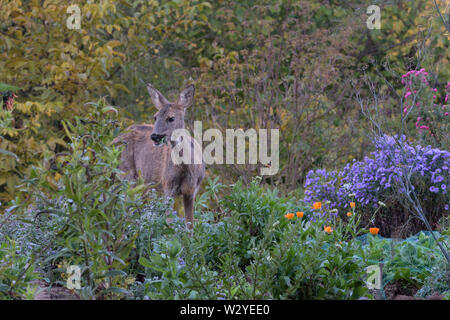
(402,290)
(45,292)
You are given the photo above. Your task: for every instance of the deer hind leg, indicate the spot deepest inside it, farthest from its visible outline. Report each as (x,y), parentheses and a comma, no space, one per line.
(188,200)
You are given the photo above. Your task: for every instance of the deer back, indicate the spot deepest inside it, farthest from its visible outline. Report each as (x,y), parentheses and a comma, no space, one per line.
(141,157)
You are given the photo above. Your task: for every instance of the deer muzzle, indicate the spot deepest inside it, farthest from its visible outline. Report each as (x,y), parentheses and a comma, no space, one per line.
(157,138)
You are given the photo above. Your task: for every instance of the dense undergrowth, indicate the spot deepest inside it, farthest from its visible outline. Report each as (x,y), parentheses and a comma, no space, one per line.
(249,242)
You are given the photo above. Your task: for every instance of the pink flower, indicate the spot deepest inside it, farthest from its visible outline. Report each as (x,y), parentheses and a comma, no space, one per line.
(424,127)
(417,122)
(407,94)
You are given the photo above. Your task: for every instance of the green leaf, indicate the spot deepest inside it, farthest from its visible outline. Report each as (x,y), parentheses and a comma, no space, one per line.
(117,290)
(6,87)
(115,273)
(145,262)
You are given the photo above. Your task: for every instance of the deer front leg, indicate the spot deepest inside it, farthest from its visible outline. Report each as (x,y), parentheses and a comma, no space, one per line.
(188,200)
(178,206)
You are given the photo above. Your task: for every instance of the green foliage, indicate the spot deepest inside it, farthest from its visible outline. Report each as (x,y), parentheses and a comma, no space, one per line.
(119,44)
(6,87)
(256,206)
(301,59)
(83,189)
(436,282)
(27,134)
(288,64)
(416,260)
(16,272)
(256,253)
(130,248)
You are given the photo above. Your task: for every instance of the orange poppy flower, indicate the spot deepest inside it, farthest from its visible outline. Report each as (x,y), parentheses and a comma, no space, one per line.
(352,204)
(317,205)
(289,215)
(300,214)
(328,229)
(374,231)
(349,214)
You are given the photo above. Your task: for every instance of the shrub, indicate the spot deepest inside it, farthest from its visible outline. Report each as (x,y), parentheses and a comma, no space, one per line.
(82,190)
(26,135)
(416,261)
(17,271)
(437,281)
(427,106)
(374,179)
(256,253)
(310,261)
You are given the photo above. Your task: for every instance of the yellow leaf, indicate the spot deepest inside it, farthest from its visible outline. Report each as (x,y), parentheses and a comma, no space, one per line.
(114,43)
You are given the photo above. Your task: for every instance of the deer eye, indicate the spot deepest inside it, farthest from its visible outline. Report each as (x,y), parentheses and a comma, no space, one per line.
(170,119)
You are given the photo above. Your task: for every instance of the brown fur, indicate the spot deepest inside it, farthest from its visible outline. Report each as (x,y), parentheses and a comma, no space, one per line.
(153,162)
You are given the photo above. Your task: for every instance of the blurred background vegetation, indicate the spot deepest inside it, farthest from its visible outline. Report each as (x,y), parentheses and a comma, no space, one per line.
(287,64)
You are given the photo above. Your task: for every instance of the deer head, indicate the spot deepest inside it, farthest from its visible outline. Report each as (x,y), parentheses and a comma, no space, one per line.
(170,115)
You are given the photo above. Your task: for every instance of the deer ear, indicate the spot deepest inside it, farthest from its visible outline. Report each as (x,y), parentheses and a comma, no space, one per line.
(186,96)
(158,99)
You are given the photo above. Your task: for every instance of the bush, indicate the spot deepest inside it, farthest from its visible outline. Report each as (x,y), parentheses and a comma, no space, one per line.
(428,106)
(437,281)
(17,271)
(376,179)
(81,189)
(74,210)
(416,262)
(256,253)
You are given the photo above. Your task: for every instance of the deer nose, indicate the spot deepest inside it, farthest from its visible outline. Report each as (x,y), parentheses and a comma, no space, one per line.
(156,137)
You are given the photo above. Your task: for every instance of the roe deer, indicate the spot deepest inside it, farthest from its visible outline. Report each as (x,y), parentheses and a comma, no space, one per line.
(147,154)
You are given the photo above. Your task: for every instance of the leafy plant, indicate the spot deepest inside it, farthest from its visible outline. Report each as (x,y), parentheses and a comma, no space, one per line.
(82,187)
(372,181)
(416,260)
(17,271)
(257,253)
